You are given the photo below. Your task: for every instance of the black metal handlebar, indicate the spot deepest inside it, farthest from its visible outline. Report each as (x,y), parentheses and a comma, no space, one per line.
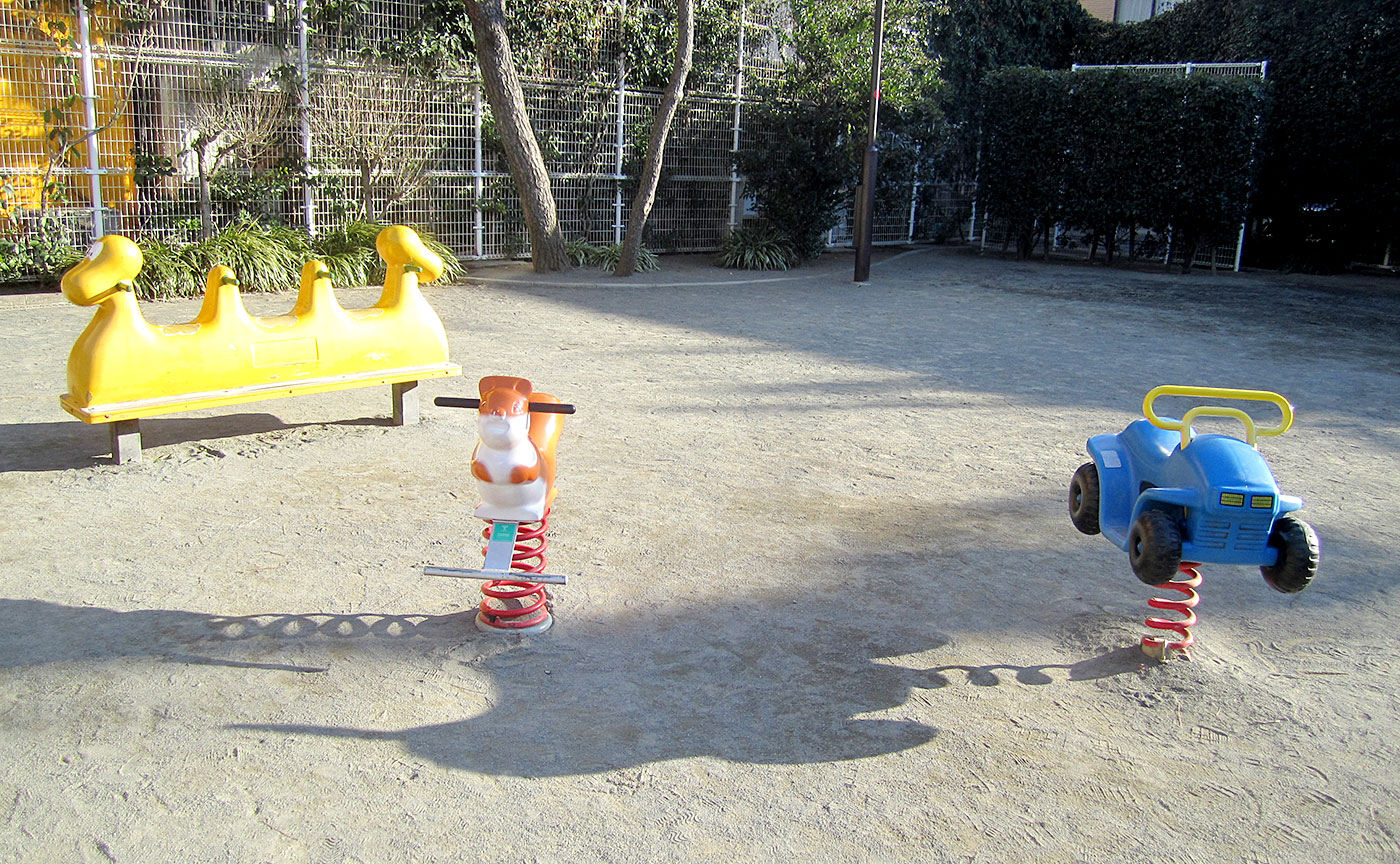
(464,402)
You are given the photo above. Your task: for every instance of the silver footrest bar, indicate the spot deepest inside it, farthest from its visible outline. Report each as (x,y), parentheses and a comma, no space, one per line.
(546,578)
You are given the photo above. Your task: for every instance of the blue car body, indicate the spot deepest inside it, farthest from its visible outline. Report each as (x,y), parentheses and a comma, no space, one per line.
(1219,489)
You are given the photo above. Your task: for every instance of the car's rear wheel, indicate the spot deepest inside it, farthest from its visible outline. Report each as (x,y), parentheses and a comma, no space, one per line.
(1084,498)
(1154,547)
(1298,555)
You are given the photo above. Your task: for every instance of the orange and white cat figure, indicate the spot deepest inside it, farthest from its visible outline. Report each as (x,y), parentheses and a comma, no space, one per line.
(514,460)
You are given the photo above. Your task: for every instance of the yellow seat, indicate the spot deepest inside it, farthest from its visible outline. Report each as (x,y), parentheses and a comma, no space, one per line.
(123,368)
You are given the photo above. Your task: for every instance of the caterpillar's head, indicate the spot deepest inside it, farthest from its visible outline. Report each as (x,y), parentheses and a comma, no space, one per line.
(110,265)
(400,246)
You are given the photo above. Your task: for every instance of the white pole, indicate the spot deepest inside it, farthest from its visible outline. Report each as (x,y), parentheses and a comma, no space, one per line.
(94,169)
(914,195)
(621,133)
(478,229)
(308,195)
(735,216)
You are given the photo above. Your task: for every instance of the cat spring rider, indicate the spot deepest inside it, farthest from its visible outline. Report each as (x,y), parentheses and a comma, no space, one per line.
(514,468)
(1173,499)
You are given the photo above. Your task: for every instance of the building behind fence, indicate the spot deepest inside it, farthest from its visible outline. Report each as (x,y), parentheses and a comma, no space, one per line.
(113,126)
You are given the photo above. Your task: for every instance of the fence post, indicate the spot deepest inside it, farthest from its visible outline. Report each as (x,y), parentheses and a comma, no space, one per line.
(94,169)
(914,194)
(478,230)
(308,194)
(621,142)
(736,216)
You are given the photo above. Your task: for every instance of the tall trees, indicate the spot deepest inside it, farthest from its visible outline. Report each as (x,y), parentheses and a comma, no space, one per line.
(656,145)
(527,167)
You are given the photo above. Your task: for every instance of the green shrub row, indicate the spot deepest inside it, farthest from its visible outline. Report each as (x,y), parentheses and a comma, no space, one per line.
(1104,149)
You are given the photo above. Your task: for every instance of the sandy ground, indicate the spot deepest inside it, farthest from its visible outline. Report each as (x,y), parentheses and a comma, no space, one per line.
(825,603)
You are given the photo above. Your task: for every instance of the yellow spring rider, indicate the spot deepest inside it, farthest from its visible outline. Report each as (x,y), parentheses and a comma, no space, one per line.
(123,368)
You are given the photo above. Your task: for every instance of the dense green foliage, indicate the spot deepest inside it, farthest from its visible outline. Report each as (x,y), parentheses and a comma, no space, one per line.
(1329,185)
(1025,156)
(797,170)
(1119,149)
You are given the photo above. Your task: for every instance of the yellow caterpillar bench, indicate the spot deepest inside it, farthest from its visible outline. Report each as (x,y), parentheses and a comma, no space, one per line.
(123,368)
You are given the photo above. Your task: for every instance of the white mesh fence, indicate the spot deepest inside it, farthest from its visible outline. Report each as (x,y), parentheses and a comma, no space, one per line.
(235,107)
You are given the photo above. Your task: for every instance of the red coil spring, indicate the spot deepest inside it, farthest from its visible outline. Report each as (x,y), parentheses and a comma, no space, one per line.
(513,604)
(1163,649)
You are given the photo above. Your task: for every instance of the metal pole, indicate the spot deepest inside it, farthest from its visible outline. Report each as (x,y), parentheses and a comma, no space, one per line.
(865,199)
(621,132)
(914,193)
(478,229)
(736,217)
(308,196)
(94,169)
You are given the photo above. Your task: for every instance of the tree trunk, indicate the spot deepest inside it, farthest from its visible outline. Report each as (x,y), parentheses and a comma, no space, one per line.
(656,147)
(494,58)
(206,203)
(366,188)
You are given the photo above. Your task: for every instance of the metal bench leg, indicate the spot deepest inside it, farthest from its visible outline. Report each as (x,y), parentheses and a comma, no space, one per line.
(126,440)
(405,403)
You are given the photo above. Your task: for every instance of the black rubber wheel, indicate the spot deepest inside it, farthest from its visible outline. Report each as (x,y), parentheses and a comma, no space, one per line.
(1154,547)
(1084,498)
(1297,555)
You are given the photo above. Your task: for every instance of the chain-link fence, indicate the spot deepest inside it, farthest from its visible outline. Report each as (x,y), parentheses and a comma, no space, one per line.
(166,117)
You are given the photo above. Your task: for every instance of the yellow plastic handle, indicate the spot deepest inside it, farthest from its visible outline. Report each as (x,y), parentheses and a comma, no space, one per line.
(1183,425)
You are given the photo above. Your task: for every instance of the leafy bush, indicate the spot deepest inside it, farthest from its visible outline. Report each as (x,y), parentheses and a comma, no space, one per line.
(796,168)
(757,247)
(44,251)
(1329,176)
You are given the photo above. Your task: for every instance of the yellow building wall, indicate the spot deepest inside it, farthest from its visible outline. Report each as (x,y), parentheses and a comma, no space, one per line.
(39,72)
(1101,9)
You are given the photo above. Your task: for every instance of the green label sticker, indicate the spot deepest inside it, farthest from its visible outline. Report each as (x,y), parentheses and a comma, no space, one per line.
(503,531)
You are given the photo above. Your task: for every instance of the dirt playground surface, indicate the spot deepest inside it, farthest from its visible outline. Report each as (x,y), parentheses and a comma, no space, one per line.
(825,600)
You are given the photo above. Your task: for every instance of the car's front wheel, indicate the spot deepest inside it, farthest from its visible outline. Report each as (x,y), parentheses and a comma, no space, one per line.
(1084,498)
(1154,547)
(1297,555)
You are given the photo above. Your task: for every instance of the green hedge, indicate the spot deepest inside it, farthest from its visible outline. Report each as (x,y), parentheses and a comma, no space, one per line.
(1119,148)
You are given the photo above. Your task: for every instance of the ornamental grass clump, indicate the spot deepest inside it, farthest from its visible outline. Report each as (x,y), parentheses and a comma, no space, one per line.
(270,258)
(585,254)
(757,247)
